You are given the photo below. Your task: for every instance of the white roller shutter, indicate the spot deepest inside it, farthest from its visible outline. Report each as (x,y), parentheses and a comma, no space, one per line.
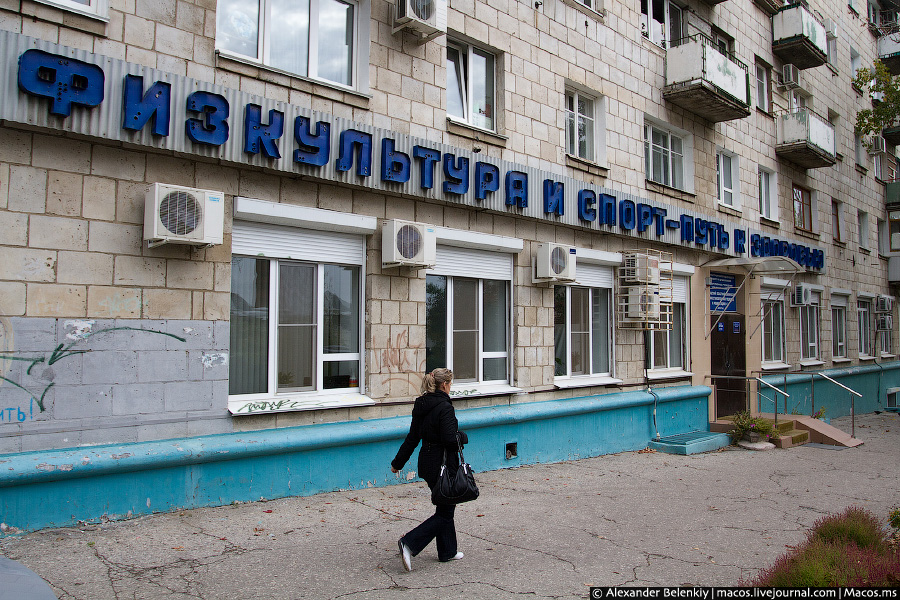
(839,300)
(466,262)
(276,241)
(596,276)
(680,288)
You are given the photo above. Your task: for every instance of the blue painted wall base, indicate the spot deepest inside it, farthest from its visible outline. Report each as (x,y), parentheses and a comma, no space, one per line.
(63,487)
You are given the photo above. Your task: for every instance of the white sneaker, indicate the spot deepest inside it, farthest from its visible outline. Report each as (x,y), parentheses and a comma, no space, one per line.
(406,556)
(458,556)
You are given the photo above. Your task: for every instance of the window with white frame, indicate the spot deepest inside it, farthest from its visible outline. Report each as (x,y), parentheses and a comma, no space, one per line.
(664,156)
(773,327)
(864,325)
(583,325)
(862,228)
(838,326)
(768,194)
(763,87)
(727,179)
(885,341)
(668,349)
(882,236)
(662,22)
(831,50)
(582,128)
(296,317)
(809,329)
(894,230)
(321,39)
(471,85)
(855,62)
(90,8)
(859,151)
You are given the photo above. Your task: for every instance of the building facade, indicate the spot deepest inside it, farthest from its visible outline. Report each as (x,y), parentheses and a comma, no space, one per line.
(259,218)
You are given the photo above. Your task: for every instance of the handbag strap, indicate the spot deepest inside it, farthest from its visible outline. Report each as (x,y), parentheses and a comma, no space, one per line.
(462,459)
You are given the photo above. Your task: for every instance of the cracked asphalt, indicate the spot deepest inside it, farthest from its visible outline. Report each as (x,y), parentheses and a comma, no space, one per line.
(537,532)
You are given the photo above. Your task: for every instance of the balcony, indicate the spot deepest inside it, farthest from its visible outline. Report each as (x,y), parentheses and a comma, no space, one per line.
(770,7)
(706,82)
(805,139)
(889,52)
(891,135)
(799,37)
(892,192)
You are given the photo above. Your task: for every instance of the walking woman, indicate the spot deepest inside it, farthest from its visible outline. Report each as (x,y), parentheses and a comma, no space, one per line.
(434,423)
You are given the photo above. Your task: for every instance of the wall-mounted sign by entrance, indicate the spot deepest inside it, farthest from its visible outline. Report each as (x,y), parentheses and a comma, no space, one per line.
(722,292)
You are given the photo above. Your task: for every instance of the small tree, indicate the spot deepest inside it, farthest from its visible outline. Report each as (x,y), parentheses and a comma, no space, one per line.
(885,114)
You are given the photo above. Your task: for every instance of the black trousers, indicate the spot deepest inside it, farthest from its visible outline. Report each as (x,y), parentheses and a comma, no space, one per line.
(438,527)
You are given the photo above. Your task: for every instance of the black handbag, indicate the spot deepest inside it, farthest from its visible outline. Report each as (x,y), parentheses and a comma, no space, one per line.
(455,487)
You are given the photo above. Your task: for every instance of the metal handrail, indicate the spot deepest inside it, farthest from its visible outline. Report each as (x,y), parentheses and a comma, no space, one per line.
(852,403)
(758,393)
(767,384)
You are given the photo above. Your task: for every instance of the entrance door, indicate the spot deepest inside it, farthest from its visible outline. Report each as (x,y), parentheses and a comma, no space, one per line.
(729,358)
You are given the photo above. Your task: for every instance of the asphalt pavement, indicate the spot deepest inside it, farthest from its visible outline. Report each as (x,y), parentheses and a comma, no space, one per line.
(538,532)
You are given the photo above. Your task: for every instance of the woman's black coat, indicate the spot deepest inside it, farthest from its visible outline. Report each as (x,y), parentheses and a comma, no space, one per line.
(434,423)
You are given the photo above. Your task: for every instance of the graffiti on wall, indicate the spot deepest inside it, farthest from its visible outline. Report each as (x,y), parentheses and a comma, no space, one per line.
(37,396)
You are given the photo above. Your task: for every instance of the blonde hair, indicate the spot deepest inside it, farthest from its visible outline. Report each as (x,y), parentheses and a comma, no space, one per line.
(432,380)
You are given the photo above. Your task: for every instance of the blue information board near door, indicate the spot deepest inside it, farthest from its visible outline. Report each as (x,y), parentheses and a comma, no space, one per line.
(722,293)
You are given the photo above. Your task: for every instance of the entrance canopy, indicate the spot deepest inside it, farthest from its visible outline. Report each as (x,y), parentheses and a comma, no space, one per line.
(768,265)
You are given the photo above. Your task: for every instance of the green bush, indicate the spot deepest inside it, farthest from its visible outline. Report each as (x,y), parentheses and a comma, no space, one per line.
(848,549)
(744,424)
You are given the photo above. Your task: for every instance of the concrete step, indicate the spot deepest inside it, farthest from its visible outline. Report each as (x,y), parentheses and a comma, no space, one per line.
(791,438)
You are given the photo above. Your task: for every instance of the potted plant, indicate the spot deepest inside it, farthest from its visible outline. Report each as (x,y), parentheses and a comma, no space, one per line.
(750,428)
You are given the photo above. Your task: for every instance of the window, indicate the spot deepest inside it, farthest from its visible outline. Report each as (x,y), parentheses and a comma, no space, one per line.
(580,125)
(859,151)
(855,62)
(471,85)
(763,87)
(773,329)
(91,8)
(802,208)
(864,323)
(668,349)
(862,227)
(722,41)
(768,195)
(661,22)
(884,341)
(798,100)
(467,323)
(809,329)
(831,50)
(319,39)
(837,221)
(894,230)
(727,175)
(582,331)
(882,236)
(838,328)
(664,156)
(295,326)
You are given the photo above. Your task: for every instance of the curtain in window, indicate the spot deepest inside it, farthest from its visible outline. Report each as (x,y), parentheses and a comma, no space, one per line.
(249,326)
(288,35)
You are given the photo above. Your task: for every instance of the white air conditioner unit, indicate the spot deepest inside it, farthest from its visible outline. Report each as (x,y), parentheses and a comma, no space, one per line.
(884,322)
(884,304)
(641,268)
(877,97)
(879,145)
(182,215)
(407,244)
(801,296)
(421,16)
(790,76)
(643,303)
(554,262)
(830,28)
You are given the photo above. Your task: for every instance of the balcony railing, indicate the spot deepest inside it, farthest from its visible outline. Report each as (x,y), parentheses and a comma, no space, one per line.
(799,37)
(892,192)
(805,139)
(889,51)
(703,80)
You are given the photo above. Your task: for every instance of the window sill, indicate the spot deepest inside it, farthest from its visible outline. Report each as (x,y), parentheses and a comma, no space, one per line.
(806,233)
(478,134)
(861,169)
(888,355)
(296,402)
(565,383)
(774,366)
(597,16)
(474,390)
(729,210)
(866,357)
(839,243)
(100,14)
(765,113)
(832,68)
(316,87)
(669,191)
(812,363)
(663,374)
(865,250)
(586,166)
(840,361)
(769,222)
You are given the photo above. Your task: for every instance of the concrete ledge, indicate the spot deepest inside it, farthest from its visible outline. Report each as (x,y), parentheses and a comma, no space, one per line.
(62,487)
(702,443)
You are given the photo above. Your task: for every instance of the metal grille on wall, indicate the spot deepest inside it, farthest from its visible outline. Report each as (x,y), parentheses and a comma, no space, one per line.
(646,291)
